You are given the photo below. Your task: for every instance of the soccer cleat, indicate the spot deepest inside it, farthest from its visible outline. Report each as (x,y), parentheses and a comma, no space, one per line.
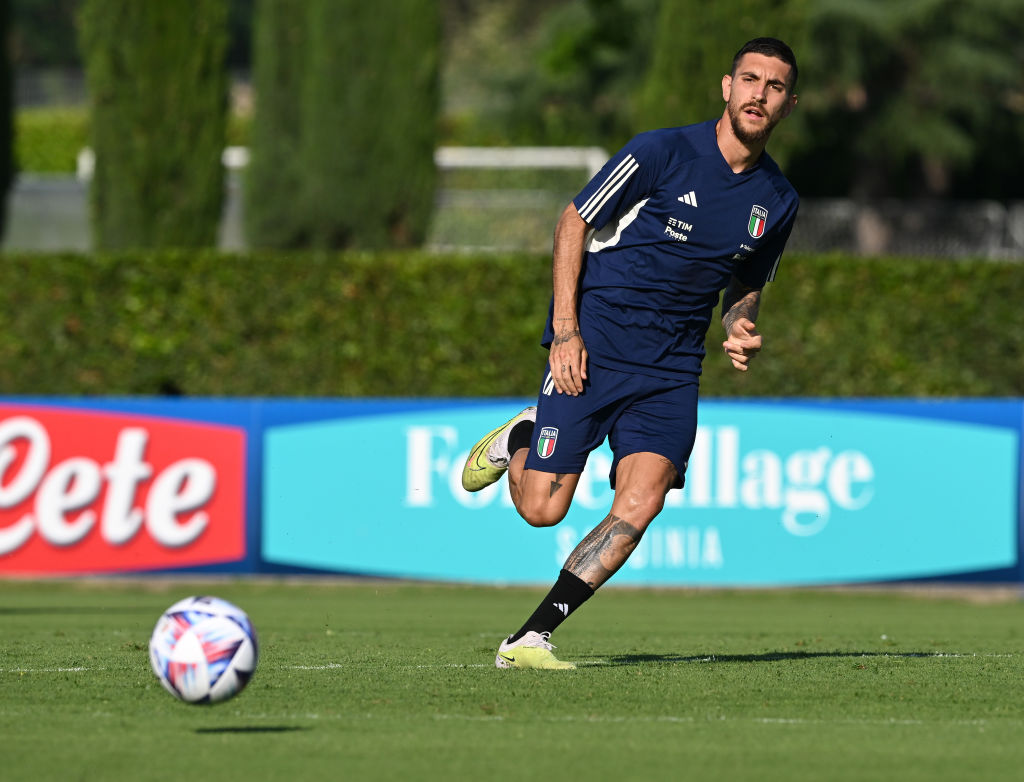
(533,650)
(489,458)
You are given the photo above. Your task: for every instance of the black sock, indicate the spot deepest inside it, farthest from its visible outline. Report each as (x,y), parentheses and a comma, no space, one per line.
(568,594)
(519,437)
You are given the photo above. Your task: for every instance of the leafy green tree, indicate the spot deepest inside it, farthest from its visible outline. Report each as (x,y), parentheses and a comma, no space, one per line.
(557,73)
(158,92)
(43,32)
(911,98)
(693,48)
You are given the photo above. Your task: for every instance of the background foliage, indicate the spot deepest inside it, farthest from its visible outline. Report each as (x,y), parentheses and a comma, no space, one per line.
(683,84)
(158,92)
(894,96)
(412,324)
(921,97)
(276,134)
(6,113)
(345,124)
(369,114)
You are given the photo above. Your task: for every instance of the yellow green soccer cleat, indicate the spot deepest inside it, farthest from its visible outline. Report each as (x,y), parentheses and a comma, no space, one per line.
(533,650)
(488,459)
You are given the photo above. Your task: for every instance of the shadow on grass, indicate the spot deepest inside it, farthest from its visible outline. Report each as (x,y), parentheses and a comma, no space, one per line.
(253,729)
(766,657)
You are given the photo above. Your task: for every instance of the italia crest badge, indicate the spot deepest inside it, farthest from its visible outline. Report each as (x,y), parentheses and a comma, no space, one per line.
(758,218)
(546,441)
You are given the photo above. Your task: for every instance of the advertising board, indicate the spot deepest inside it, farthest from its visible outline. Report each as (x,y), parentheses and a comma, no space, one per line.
(94,491)
(777,493)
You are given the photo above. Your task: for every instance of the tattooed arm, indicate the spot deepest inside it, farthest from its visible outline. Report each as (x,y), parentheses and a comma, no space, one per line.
(568,359)
(740,306)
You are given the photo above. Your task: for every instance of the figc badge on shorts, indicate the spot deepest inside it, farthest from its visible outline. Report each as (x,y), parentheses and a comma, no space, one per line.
(546,441)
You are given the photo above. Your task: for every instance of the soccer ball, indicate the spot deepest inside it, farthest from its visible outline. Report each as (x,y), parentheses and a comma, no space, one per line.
(203,650)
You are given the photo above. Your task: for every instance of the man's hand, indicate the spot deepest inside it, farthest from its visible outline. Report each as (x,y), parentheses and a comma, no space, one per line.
(742,343)
(568,358)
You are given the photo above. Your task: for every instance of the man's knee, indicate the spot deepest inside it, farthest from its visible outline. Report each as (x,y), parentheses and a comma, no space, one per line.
(638,506)
(541,513)
(642,481)
(543,499)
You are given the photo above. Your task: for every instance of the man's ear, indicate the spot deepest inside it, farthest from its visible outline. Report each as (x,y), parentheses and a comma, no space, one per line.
(726,87)
(790,105)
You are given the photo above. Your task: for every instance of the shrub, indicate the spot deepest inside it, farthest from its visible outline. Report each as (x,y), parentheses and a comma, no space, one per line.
(48,139)
(411,324)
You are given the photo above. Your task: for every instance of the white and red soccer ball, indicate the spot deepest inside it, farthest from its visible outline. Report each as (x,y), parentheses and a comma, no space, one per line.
(203,650)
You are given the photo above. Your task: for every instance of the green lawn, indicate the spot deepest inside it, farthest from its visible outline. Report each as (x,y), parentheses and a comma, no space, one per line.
(381,681)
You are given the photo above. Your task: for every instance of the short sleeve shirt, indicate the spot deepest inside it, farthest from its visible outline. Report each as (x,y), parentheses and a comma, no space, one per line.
(671,222)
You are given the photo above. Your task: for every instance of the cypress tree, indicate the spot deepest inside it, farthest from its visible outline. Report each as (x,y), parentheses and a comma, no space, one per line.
(369,113)
(274,213)
(6,113)
(158,91)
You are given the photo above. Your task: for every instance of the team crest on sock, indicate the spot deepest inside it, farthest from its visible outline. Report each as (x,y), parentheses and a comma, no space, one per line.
(546,441)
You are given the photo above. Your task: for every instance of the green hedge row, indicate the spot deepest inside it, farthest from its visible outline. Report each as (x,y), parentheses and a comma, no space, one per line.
(415,324)
(47,139)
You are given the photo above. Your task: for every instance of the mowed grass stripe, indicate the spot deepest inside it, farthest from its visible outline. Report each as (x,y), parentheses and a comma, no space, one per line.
(582,663)
(384,681)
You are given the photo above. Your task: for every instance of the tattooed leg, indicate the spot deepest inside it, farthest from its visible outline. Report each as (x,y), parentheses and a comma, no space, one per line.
(603,551)
(643,479)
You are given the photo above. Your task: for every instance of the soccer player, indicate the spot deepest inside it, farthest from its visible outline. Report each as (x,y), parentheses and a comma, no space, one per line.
(675,218)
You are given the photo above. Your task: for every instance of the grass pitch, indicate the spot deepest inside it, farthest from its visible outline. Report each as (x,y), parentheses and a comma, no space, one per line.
(392,681)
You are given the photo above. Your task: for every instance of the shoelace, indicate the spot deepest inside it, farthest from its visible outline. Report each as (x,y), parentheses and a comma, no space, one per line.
(545,642)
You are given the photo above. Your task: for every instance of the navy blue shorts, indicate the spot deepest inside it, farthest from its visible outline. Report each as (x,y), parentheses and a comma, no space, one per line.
(637,413)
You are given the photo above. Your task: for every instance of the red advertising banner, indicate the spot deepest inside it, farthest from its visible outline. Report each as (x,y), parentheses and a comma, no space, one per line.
(88,491)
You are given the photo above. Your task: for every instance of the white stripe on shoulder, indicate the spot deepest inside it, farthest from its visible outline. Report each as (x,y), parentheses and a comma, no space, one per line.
(775,268)
(609,187)
(625,162)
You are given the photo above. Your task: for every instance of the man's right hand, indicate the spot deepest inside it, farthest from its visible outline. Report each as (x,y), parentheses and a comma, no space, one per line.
(568,359)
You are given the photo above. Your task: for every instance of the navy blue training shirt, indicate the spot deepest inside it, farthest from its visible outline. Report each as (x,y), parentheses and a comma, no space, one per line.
(671,224)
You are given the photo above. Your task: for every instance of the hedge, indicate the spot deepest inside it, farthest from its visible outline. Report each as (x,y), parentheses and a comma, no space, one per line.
(47,139)
(413,324)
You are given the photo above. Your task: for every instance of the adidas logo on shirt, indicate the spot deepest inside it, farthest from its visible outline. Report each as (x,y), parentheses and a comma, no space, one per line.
(690,199)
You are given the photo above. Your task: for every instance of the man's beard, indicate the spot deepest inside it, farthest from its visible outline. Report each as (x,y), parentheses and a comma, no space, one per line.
(749,136)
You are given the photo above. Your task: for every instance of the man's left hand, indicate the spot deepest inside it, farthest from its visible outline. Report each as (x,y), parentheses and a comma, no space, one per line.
(742,343)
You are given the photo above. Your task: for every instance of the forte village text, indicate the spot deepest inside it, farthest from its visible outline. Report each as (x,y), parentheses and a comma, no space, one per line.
(801,489)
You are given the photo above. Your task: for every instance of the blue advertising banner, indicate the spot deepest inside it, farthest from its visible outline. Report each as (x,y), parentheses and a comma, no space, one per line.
(777,493)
